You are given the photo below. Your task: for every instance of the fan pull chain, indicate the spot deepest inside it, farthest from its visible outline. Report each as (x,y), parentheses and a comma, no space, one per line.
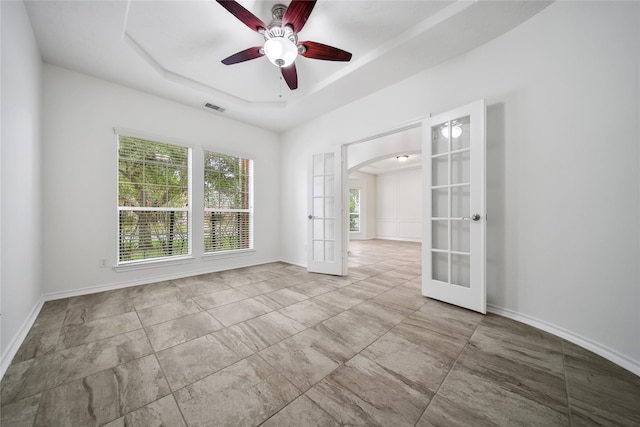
(280,96)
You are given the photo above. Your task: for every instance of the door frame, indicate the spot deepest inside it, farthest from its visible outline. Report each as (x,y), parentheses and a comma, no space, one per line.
(401,149)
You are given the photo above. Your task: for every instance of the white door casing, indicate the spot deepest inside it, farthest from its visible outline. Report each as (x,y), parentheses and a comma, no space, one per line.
(326,218)
(454,212)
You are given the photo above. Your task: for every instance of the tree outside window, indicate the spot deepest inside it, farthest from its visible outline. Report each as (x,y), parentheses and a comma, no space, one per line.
(354,209)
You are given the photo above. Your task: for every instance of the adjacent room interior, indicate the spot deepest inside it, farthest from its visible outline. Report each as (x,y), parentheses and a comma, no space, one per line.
(156,213)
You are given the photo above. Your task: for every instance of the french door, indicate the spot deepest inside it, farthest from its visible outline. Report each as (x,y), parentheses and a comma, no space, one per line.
(453,246)
(326,219)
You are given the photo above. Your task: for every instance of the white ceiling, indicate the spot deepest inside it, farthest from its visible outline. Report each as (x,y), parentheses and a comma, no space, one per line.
(173,48)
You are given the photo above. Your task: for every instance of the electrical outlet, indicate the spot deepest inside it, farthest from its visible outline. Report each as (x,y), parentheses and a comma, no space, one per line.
(103,262)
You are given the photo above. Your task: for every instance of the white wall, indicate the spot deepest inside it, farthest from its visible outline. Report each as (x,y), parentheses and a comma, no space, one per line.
(399,205)
(80,173)
(20,281)
(563,237)
(367,185)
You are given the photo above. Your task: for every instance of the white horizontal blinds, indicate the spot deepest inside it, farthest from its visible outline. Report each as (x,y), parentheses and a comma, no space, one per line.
(228,212)
(153,199)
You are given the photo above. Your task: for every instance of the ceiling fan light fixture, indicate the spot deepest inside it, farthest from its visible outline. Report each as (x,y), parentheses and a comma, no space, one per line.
(280,51)
(281,38)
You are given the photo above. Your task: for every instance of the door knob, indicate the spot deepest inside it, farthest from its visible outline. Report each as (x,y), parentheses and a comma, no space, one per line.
(475,217)
(310,217)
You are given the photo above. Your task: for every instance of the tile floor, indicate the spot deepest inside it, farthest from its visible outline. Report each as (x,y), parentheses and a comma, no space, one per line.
(273,345)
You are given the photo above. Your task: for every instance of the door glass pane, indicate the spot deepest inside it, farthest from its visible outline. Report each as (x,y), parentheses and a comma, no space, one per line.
(439,171)
(328,207)
(328,251)
(328,185)
(317,207)
(318,229)
(440,267)
(318,250)
(460,167)
(329,229)
(439,139)
(440,234)
(318,164)
(460,133)
(328,164)
(460,199)
(460,235)
(439,203)
(318,186)
(460,270)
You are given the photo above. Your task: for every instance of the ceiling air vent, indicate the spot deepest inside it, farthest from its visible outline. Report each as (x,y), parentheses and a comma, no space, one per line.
(213,107)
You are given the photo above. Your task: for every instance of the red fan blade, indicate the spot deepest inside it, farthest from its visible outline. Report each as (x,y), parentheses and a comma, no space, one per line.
(245,55)
(322,51)
(246,17)
(290,76)
(297,14)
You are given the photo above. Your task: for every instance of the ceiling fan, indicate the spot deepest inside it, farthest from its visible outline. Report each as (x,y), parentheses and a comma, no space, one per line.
(281,44)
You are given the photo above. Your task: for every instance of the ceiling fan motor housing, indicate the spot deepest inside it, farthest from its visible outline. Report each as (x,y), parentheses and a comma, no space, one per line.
(284,32)
(275,27)
(277,12)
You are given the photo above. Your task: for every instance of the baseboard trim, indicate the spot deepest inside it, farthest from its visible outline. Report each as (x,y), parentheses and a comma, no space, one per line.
(399,239)
(296,263)
(18,339)
(145,281)
(625,362)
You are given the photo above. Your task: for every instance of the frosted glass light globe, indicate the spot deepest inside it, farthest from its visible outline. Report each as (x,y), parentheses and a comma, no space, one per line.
(280,51)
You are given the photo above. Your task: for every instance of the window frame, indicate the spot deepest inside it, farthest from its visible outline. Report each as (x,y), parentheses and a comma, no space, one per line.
(359,213)
(164,260)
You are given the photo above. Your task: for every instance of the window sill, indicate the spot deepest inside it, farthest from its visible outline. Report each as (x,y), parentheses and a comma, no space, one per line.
(227,254)
(143,265)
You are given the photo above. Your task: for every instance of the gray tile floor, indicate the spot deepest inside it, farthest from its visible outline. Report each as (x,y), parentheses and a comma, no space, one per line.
(277,346)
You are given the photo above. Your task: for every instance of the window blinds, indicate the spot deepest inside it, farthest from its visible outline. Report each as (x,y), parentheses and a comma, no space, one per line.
(227,199)
(153,199)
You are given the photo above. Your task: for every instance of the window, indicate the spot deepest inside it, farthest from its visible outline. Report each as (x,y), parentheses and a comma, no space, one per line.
(354,209)
(153,200)
(228,211)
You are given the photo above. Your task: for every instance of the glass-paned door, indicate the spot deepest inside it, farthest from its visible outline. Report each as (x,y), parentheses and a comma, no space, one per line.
(326,225)
(454,207)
